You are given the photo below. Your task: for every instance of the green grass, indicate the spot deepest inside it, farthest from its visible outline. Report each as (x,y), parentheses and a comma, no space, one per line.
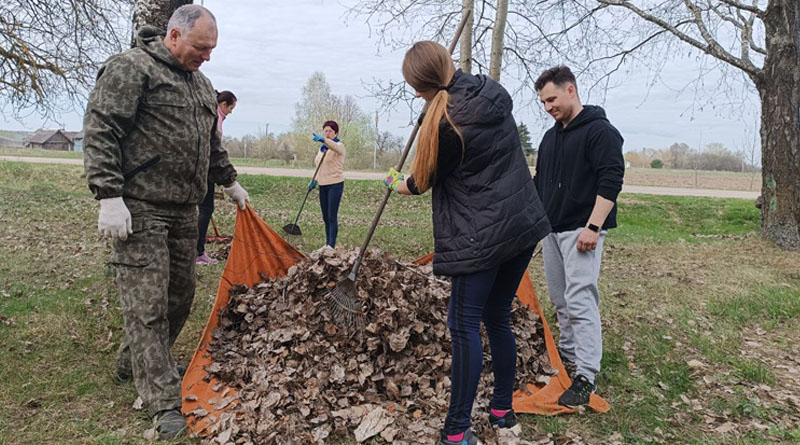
(39,153)
(666,219)
(770,305)
(277,163)
(668,297)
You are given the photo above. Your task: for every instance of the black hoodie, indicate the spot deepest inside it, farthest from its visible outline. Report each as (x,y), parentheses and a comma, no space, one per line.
(575,165)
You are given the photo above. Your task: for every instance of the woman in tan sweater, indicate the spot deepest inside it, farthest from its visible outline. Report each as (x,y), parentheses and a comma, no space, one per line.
(330,178)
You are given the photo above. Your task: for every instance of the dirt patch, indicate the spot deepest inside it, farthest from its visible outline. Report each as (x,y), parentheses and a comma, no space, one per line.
(691,179)
(782,357)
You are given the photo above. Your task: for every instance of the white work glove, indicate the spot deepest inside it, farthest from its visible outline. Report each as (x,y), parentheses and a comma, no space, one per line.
(237,193)
(115,219)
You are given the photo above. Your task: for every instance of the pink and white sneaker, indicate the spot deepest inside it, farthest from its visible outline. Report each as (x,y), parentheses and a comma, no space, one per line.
(205,259)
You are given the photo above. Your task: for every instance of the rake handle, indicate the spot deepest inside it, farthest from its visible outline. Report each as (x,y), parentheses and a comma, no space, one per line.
(216,232)
(406,150)
(309,191)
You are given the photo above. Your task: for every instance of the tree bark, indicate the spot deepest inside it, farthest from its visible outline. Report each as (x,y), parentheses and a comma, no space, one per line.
(154,13)
(465,49)
(779,89)
(498,33)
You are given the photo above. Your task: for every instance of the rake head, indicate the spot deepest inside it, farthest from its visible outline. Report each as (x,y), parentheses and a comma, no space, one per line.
(346,306)
(292,229)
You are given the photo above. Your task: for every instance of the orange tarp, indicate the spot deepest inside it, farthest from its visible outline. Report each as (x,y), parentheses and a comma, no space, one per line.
(258,250)
(544,400)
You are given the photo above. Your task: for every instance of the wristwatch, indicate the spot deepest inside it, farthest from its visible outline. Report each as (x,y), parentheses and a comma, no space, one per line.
(593,227)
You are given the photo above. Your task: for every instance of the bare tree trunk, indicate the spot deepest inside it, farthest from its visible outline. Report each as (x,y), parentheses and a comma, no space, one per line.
(779,88)
(155,13)
(498,33)
(465,51)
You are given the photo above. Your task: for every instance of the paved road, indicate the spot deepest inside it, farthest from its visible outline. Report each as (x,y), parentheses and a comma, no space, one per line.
(303,173)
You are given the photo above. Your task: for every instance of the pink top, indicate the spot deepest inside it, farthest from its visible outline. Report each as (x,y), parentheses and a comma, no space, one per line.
(220,117)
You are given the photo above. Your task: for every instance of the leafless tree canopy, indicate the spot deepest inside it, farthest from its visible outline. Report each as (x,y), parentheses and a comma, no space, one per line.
(50,50)
(753,44)
(597,38)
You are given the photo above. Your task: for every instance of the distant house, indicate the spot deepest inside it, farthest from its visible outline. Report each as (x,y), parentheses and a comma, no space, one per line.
(54,140)
(77,139)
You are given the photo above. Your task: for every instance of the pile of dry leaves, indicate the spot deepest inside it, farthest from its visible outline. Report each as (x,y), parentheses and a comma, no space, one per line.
(303,376)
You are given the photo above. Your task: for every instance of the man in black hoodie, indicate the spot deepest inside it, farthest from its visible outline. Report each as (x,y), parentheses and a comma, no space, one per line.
(578,176)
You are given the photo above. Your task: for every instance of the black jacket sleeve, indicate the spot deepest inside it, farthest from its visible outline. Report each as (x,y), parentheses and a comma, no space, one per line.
(607,161)
(448,159)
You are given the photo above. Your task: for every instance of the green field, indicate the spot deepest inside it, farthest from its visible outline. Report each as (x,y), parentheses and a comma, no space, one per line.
(700,315)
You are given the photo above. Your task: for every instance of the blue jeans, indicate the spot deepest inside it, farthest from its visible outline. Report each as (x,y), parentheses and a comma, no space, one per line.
(482,296)
(205,210)
(329,198)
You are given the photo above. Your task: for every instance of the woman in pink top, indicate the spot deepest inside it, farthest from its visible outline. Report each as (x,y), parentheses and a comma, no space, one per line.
(330,178)
(226,102)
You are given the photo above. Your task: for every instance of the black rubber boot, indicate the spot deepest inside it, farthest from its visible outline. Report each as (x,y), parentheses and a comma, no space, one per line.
(170,424)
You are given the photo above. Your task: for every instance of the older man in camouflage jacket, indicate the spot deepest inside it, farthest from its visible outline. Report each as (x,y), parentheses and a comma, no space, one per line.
(150,146)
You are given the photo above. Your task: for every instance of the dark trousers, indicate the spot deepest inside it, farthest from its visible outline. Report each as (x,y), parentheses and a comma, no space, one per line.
(482,296)
(329,198)
(205,210)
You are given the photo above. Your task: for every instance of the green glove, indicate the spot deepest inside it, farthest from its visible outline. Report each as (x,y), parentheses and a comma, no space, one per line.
(393,179)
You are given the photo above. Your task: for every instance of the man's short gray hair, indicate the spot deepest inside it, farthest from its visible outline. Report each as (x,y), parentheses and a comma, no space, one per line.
(184,18)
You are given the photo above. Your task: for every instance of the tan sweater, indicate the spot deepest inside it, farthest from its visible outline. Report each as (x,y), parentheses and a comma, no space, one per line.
(332,170)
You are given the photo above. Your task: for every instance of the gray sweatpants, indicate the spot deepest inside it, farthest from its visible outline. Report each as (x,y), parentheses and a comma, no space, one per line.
(572,285)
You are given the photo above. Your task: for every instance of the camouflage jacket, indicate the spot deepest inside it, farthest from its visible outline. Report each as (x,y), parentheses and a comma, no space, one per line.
(150,128)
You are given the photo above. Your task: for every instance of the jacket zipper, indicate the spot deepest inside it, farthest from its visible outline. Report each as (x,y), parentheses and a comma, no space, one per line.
(144,166)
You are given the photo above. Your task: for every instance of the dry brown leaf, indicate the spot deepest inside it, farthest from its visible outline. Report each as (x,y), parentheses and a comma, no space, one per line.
(303,375)
(373,424)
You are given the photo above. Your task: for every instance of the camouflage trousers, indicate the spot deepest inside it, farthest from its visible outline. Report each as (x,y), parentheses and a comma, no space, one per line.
(155,278)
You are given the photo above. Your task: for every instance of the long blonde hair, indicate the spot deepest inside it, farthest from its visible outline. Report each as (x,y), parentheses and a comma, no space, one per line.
(427,66)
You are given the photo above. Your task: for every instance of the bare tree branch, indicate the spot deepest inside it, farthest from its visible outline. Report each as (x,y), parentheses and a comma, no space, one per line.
(747,38)
(749,8)
(50,50)
(711,46)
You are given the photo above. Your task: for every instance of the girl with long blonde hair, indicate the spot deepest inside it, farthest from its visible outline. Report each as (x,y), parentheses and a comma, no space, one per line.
(487,219)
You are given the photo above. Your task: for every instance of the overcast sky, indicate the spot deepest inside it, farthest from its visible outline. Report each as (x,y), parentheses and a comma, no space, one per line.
(267,51)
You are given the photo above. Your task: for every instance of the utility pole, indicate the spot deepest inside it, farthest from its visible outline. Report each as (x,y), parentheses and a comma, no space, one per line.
(375,151)
(697,159)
